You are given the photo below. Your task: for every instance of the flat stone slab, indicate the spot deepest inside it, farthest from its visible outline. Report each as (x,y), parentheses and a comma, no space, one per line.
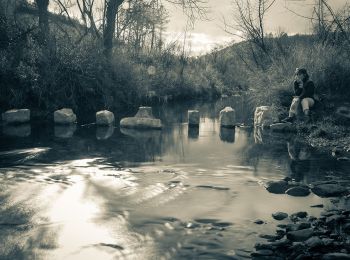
(104,118)
(64,116)
(283,127)
(298,191)
(141,123)
(329,190)
(16,116)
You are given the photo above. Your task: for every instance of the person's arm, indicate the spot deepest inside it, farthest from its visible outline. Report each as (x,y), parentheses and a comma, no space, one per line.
(308,90)
(297,89)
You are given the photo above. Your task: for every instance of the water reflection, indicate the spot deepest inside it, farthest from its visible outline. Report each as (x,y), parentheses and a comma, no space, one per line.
(193,132)
(227,134)
(104,132)
(22,130)
(170,194)
(65,131)
(300,155)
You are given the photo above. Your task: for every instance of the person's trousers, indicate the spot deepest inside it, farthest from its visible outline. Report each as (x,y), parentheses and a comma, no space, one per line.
(306,104)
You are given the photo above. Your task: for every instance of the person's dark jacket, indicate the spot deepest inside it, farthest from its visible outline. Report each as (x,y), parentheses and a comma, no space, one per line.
(307,91)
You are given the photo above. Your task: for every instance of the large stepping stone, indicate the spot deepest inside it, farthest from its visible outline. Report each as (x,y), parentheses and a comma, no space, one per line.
(16,116)
(329,190)
(264,116)
(142,120)
(104,118)
(64,116)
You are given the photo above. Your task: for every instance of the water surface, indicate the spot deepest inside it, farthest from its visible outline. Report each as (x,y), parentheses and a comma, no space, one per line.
(180,193)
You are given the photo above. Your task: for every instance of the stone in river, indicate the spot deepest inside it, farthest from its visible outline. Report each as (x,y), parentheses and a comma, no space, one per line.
(298,191)
(300,214)
(314,242)
(104,118)
(193,117)
(259,221)
(227,117)
(300,235)
(279,215)
(16,116)
(277,187)
(142,120)
(64,116)
(262,252)
(336,256)
(329,190)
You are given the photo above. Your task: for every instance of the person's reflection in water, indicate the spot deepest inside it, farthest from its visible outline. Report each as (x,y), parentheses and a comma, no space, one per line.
(227,134)
(299,154)
(193,132)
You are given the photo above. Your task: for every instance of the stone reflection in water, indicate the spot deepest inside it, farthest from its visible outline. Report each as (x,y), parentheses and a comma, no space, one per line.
(300,155)
(104,132)
(65,131)
(193,132)
(227,134)
(22,130)
(149,141)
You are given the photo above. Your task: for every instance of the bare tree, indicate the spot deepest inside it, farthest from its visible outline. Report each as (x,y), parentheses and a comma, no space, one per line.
(249,21)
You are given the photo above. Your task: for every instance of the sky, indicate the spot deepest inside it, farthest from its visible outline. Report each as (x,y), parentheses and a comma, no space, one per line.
(206,35)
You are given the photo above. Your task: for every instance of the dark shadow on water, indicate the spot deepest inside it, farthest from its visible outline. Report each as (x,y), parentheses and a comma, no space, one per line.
(193,132)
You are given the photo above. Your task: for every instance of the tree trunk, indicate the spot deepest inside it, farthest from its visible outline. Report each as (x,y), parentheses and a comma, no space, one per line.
(43,21)
(108,33)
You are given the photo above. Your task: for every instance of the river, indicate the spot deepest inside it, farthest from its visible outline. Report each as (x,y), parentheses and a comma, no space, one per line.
(179,193)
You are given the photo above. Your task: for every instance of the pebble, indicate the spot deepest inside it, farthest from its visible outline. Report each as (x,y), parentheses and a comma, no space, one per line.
(279,215)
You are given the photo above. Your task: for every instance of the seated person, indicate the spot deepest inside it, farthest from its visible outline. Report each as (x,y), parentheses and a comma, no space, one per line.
(304,90)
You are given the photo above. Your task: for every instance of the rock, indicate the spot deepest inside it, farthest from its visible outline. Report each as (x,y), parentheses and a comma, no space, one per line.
(300,214)
(16,116)
(317,206)
(263,116)
(282,127)
(329,190)
(298,191)
(336,256)
(342,114)
(300,235)
(143,120)
(193,117)
(64,116)
(259,221)
(314,242)
(227,117)
(279,215)
(299,226)
(104,118)
(277,187)
(262,252)
(104,132)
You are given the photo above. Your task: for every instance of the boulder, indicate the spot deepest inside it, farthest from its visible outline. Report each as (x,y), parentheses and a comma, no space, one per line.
(277,187)
(104,118)
(264,116)
(227,117)
(279,215)
(336,256)
(298,191)
(64,116)
(300,235)
(329,190)
(283,127)
(142,120)
(193,117)
(342,114)
(16,116)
